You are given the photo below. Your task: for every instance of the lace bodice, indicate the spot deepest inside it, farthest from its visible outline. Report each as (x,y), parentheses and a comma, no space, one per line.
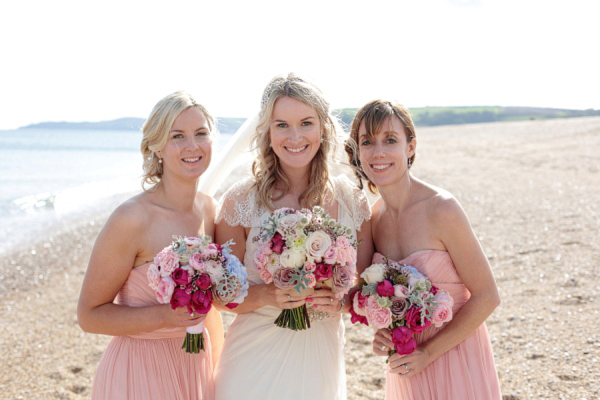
(239,206)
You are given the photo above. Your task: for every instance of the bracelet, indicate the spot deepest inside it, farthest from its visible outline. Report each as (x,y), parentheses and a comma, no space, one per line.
(342,303)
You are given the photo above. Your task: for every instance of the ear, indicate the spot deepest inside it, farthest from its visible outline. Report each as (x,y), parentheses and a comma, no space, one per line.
(411,148)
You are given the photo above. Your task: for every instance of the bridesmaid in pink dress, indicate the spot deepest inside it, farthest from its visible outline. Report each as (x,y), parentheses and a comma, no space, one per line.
(144,360)
(424,226)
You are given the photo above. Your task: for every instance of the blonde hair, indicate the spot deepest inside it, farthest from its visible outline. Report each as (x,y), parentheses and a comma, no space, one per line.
(374,114)
(156,132)
(266,169)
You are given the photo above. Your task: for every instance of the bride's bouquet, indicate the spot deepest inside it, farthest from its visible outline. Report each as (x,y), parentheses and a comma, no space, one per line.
(193,272)
(300,249)
(398,297)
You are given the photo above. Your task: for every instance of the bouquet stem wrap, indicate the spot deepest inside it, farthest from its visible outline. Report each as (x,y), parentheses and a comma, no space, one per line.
(295,319)
(194,339)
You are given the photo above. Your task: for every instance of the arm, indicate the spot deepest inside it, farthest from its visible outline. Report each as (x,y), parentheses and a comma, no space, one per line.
(452,228)
(214,326)
(111,262)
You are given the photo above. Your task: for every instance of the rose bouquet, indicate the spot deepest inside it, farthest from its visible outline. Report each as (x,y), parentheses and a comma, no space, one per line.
(193,272)
(300,248)
(398,297)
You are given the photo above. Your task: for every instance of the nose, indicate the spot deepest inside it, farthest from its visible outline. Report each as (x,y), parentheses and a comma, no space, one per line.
(194,142)
(294,135)
(379,151)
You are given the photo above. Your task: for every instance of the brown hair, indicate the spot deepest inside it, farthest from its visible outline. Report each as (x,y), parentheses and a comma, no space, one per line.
(267,168)
(374,114)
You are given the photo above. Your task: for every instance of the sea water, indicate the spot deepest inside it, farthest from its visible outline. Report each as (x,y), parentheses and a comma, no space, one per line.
(47,175)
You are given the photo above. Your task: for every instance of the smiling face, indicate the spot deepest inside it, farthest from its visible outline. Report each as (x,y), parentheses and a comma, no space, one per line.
(295,133)
(188,149)
(384,156)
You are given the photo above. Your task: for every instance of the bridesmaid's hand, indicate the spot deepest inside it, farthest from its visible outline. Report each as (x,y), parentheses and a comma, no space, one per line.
(411,364)
(284,299)
(382,343)
(180,316)
(324,300)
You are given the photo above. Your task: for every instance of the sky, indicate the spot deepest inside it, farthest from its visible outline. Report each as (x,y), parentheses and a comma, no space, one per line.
(100,60)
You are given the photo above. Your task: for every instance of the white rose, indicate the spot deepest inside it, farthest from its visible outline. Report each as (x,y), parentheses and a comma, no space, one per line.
(292,259)
(373,274)
(287,223)
(317,243)
(273,263)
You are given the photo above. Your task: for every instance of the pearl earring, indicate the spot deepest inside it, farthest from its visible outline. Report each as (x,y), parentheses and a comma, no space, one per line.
(409,162)
(160,160)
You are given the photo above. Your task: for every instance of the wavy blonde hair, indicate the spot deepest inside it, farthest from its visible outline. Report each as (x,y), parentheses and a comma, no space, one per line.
(156,132)
(266,169)
(374,114)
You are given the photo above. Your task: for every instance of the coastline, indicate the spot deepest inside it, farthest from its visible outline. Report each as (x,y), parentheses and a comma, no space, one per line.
(530,190)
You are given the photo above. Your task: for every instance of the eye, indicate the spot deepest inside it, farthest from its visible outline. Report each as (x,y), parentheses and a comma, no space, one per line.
(202,133)
(391,140)
(282,125)
(306,123)
(177,136)
(365,142)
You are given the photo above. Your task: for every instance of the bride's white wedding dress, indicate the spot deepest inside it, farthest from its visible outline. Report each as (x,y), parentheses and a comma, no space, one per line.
(263,361)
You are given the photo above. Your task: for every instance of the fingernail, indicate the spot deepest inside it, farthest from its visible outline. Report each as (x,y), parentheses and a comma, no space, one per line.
(309,299)
(314,306)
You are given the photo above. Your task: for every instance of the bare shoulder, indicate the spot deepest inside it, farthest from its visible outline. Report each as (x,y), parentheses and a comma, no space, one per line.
(131,216)
(441,206)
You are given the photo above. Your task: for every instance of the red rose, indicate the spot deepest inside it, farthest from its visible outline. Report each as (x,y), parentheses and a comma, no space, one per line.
(385,288)
(404,342)
(278,243)
(413,320)
(180,298)
(323,271)
(203,281)
(201,301)
(180,276)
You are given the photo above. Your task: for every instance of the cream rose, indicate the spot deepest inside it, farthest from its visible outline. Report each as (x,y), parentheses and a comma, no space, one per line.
(373,274)
(316,245)
(287,223)
(292,259)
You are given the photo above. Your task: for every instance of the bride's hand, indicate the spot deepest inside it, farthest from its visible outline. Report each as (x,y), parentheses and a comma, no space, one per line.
(382,342)
(324,300)
(180,316)
(284,299)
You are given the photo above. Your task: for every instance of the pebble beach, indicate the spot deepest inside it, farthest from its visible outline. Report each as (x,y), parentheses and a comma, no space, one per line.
(530,189)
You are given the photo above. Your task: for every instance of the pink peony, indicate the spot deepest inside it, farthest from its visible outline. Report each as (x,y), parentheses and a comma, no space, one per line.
(443,298)
(265,275)
(413,320)
(201,301)
(181,276)
(323,272)
(165,289)
(441,314)
(192,241)
(196,261)
(278,243)
(203,282)
(181,298)
(404,342)
(153,276)
(342,242)
(385,288)
(330,255)
(166,261)
(261,256)
(210,251)
(342,257)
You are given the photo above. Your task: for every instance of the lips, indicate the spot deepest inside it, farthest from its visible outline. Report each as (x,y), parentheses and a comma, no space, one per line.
(380,167)
(297,149)
(191,160)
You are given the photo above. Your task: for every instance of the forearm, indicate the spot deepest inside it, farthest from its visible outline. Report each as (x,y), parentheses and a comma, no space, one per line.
(466,321)
(119,320)
(214,326)
(253,301)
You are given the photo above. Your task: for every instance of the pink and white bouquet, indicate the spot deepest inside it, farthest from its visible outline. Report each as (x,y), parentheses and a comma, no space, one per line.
(302,250)
(398,297)
(193,272)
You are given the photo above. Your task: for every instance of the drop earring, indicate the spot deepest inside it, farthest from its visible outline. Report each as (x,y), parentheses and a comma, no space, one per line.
(409,162)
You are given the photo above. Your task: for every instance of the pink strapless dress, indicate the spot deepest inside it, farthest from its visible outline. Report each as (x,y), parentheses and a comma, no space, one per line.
(465,372)
(152,365)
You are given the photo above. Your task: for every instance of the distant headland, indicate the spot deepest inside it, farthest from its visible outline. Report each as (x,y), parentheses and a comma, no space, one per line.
(423,116)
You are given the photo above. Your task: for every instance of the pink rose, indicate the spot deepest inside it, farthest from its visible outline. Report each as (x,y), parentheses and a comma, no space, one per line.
(261,256)
(165,289)
(323,271)
(312,281)
(385,288)
(181,276)
(166,261)
(210,251)
(404,342)
(342,258)
(342,242)
(401,291)
(201,301)
(330,255)
(355,316)
(196,261)
(441,314)
(192,241)
(443,298)
(282,278)
(278,243)
(153,276)
(377,316)
(309,267)
(203,282)
(351,256)
(181,298)
(413,320)
(265,275)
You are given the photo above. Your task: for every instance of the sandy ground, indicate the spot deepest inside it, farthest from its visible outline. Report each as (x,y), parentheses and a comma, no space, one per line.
(531,190)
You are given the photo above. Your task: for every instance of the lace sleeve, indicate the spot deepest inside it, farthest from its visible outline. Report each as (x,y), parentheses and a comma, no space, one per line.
(353,200)
(238,205)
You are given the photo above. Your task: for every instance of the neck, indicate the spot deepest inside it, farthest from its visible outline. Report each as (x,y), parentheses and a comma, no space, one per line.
(298,179)
(178,194)
(396,196)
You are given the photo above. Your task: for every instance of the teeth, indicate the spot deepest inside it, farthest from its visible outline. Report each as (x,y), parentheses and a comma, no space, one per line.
(191,159)
(381,166)
(296,149)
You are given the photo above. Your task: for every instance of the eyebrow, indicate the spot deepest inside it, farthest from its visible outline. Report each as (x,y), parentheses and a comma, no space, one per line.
(303,119)
(197,129)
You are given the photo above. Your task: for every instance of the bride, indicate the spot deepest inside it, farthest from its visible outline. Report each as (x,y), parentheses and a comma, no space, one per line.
(295,138)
